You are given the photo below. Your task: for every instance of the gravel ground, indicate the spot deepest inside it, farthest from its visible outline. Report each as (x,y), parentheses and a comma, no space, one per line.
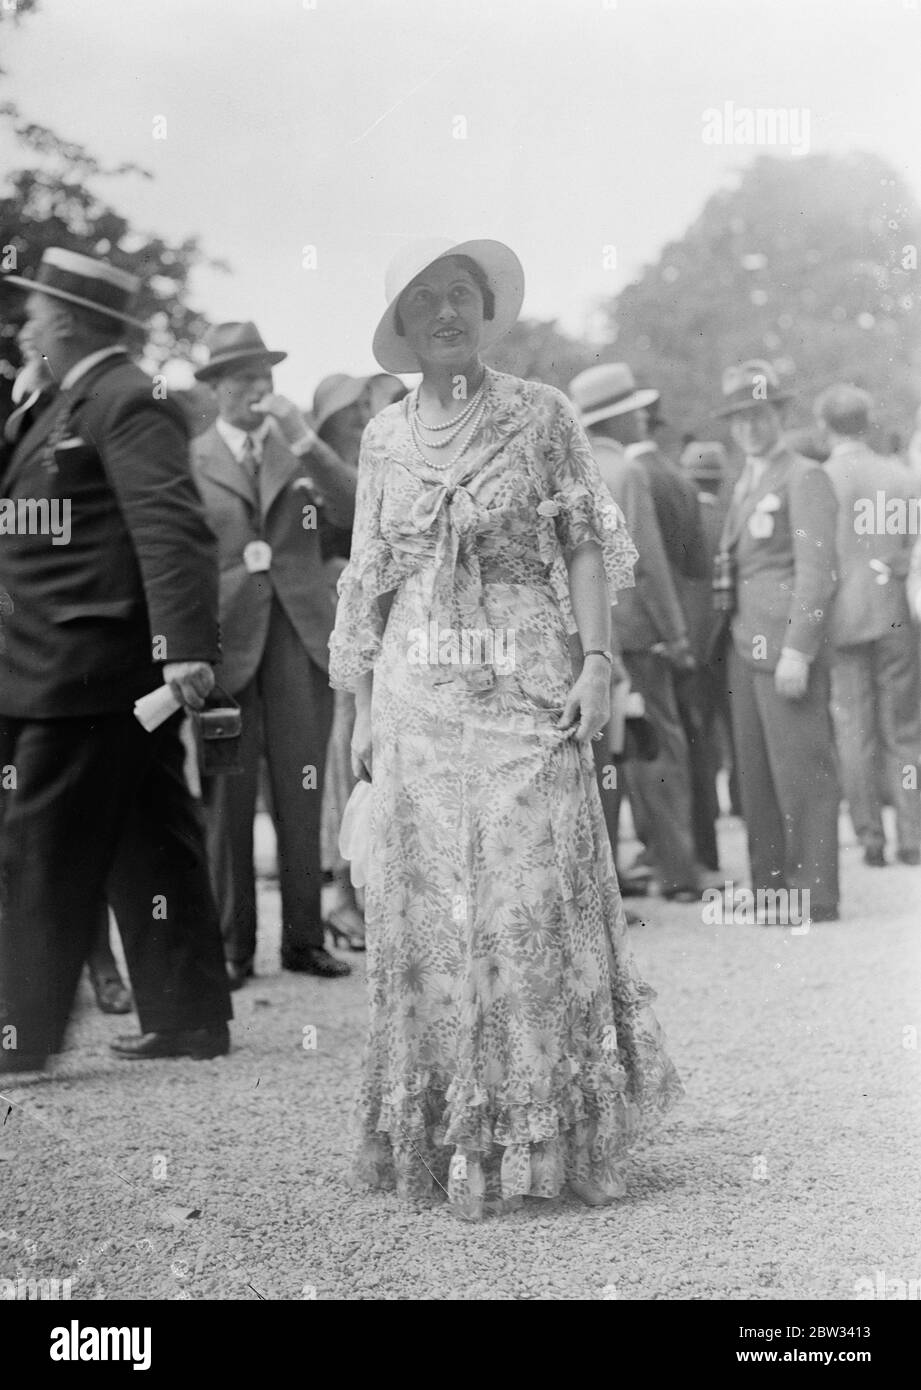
(790,1171)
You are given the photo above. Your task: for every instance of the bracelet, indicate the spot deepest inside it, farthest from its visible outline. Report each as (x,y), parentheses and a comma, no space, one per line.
(597,651)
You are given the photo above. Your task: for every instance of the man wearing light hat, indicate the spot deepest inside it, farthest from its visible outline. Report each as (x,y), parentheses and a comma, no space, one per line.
(263,473)
(778,544)
(647,616)
(97,807)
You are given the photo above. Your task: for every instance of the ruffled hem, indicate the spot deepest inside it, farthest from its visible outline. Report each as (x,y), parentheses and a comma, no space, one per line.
(468,1140)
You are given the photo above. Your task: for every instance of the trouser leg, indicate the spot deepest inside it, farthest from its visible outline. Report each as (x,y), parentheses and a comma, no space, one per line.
(800,747)
(760,807)
(660,790)
(898,686)
(298,712)
(855,724)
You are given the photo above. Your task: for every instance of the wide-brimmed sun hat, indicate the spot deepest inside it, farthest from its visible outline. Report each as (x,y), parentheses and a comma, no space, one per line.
(83,280)
(232,344)
(748,384)
(499,264)
(607,390)
(339,391)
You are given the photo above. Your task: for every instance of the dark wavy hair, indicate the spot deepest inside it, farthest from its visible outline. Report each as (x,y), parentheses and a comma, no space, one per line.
(477,275)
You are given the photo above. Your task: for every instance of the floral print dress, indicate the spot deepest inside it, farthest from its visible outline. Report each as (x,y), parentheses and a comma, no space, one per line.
(511,1046)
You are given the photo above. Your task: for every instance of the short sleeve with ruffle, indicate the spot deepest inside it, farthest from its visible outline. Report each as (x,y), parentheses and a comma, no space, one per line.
(580,508)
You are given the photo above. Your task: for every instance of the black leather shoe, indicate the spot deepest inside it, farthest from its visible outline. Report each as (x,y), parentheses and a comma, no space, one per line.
(180,1042)
(112,994)
(875,857)
(824,914)
(238,974)
(909,856)
(315,960)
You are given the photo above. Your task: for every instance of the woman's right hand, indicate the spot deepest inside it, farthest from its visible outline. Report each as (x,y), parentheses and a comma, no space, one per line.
(361,746)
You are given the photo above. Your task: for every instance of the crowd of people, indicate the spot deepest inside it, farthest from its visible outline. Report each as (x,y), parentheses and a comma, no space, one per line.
(670,622)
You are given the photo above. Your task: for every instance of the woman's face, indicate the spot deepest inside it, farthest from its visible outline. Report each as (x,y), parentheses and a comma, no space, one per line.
(343,430)
(442,313)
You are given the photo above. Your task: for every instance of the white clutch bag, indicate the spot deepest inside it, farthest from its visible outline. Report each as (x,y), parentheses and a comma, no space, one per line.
(355,833)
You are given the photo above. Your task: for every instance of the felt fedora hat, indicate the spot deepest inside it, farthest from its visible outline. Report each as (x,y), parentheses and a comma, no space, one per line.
(606,390)
(499,264)
(83,280)
(230,344)
(750,383)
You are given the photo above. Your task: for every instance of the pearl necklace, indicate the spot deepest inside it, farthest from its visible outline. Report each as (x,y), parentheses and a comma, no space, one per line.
(448,463)
(454,425)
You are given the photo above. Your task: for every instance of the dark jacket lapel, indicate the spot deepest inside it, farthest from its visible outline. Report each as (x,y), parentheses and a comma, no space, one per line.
(740,511)
(216,462)
(279,466)
(64,405)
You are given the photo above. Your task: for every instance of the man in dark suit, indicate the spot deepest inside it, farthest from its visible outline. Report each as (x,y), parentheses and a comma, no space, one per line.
(111,582)
(651,631)
(702,693)
(779,537)
(262,473)
(875,679)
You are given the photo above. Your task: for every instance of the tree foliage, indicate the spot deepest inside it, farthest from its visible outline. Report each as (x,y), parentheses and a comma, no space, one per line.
(810,263)
(56,201)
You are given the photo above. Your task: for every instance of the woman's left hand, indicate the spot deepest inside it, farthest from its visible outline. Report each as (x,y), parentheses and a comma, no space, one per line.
(589,701)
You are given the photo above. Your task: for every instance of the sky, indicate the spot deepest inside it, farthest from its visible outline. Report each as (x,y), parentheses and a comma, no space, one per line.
(306,139)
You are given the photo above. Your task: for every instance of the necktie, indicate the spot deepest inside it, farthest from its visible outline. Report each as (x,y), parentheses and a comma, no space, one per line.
(250,460)
(751,476)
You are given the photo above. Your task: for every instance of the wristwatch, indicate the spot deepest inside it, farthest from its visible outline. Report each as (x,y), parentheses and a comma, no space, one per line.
(597,651)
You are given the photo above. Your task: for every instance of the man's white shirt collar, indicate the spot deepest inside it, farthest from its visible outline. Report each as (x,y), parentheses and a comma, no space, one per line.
(235,438)
(86,364)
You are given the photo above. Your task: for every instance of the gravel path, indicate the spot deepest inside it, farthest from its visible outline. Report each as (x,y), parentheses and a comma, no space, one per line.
(790,1171)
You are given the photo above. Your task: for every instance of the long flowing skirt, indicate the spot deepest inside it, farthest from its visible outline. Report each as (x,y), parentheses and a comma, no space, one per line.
(511,1046)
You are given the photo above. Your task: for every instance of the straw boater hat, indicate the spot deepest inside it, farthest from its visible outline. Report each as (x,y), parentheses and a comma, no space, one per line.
(82,280)
(499,264)
(230,344)
(607,390)
(750,383)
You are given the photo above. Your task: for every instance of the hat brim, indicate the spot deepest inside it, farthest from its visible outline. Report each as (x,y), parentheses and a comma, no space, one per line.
(19,282)
(775,398)
(637,400)
(233,359)
(345,395)
(505,274)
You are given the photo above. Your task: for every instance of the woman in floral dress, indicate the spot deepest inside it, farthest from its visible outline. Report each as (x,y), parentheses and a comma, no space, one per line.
(511,1047)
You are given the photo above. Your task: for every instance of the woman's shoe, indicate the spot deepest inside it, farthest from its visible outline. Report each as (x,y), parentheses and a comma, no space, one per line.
(347,927)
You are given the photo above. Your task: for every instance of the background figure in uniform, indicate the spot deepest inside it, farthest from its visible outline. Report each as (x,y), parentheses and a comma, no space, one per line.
(647,616)
(875,679)
(702,692)
(100,808)
(342,407)
(780,540)
(263,473)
